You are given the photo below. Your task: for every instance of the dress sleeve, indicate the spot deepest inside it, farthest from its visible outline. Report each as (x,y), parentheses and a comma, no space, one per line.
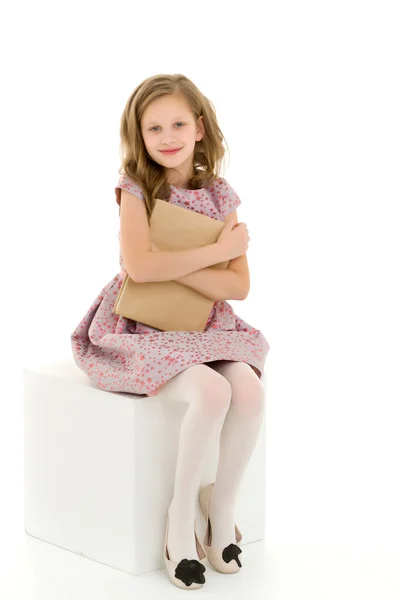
(227,198)
(126,183)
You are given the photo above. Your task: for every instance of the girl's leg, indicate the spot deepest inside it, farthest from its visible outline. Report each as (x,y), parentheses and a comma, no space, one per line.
(208,395)
(238,437)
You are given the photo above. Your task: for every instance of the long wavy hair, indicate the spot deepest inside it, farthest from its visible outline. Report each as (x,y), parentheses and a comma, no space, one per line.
(135,160)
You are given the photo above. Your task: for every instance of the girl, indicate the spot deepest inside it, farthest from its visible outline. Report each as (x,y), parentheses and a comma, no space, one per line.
(172,149)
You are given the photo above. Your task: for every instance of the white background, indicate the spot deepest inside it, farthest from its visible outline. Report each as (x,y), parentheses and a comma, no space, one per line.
(307,95)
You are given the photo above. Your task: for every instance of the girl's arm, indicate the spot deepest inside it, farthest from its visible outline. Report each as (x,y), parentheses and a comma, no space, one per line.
(218,284)
(231,283)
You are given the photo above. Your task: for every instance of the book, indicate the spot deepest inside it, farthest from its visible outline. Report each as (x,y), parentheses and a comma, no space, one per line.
(170,305)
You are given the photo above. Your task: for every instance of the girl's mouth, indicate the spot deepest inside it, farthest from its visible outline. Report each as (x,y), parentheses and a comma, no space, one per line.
(171,151)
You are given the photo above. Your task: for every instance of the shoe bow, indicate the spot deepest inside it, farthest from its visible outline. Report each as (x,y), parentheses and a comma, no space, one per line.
(232,552)
(190,571)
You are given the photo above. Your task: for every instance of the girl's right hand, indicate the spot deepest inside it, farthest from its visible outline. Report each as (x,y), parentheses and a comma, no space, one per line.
(235,237)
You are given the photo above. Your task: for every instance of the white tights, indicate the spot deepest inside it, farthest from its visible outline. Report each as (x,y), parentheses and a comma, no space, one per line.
(225,400)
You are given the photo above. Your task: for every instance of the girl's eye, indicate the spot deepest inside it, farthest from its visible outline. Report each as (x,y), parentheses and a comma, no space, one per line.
(151,128)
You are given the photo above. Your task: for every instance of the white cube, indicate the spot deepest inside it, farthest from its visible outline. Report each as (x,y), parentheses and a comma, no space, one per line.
(100,468)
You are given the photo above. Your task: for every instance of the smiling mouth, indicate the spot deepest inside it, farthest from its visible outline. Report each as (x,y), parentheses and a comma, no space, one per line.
(171,151)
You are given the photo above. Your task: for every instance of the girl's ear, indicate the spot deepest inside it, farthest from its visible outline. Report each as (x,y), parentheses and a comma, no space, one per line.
(200,129)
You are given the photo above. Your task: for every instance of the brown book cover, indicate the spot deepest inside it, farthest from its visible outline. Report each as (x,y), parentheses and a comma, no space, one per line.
(169,305)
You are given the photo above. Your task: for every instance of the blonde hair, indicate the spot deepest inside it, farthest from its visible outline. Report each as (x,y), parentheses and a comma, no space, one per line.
(135,161)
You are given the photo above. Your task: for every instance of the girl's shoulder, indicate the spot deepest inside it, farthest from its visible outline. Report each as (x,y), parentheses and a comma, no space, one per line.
(224,196)
(127,183)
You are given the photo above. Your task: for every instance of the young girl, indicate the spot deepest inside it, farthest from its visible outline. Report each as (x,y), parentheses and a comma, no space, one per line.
(172,150)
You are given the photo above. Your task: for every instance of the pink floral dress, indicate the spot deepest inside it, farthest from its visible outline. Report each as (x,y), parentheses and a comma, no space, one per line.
(122,355)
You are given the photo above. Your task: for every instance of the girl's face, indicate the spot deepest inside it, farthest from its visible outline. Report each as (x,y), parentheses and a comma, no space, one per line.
(168,123)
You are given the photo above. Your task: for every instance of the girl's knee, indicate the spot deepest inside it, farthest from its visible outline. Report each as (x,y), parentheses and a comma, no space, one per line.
(248,396)
(214,392)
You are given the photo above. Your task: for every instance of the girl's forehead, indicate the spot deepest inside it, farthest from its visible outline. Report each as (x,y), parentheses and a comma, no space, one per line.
(166,107)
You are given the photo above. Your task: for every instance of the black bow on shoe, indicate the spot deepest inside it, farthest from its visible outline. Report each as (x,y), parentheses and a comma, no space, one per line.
(190,571)
(232,552)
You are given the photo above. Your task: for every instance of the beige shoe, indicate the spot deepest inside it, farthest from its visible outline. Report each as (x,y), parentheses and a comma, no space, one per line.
(187,574)
(224,560)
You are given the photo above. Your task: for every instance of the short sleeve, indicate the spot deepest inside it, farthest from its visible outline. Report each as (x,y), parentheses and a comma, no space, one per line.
(126,183)
(228,200)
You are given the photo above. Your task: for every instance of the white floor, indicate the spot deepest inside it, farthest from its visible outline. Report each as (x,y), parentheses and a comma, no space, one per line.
(35,570)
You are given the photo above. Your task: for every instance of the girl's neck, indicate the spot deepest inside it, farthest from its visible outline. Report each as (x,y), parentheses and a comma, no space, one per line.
(181,182)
